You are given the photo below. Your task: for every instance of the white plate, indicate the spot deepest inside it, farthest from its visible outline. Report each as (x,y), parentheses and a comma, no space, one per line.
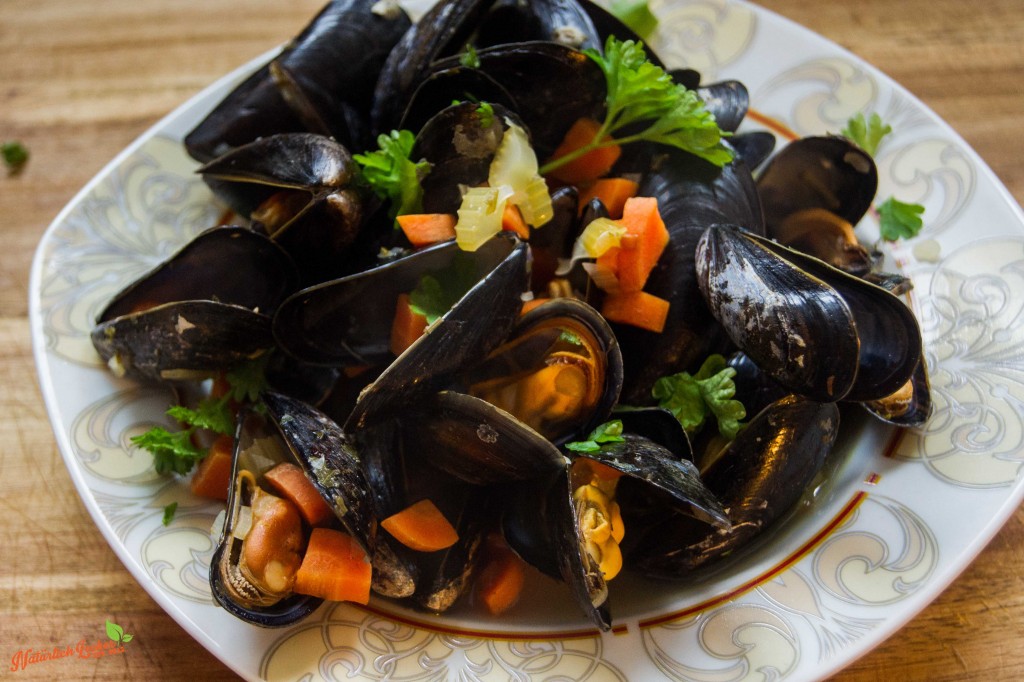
(900,519)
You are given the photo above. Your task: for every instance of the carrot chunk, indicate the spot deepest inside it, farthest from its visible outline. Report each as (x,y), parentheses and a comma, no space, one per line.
(213,475)
(407,325)
(290,481)
(501,578)
(643,224)
(334,568)
(422,527)
(533,303)
(613,193)
(636,308)
(423,229)
(512,221)
(589,166)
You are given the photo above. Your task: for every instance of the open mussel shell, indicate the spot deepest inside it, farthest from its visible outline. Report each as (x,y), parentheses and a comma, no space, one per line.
(345,32)
(818,172)
(328,457)
(348,321)
(204,309)
(459,142)
(539,523)
(758,478)
(727,101)
(559,371)
(652,466)
(471,329)
(656,424)
(481,444)
(257,450)
(910,405)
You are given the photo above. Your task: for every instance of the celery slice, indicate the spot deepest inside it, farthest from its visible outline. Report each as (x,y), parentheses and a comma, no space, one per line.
(479,216)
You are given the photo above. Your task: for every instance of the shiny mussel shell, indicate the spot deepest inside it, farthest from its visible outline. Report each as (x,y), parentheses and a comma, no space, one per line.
(204,309)
(758,478)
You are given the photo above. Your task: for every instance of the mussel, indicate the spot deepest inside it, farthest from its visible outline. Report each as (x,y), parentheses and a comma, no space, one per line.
(205,309)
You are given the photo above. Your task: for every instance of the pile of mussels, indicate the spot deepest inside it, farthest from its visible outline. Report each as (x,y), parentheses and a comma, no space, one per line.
(304,280)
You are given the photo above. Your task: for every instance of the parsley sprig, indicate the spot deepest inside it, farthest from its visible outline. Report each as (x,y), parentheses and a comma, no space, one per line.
(392,175)
(640,92)
(709,392)
(867,133)
(609,432)
(176,451)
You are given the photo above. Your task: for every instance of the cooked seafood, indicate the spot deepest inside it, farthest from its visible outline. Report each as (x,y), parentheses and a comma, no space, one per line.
(510,402)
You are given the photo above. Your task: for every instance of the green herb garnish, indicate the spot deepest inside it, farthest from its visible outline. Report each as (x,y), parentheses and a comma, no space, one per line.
(866,133)
(469,58)
(169,512)
(641,92)
(899,220)
(15,155)
(436,294)
(609,432)
(692,398)
(392,175)
(175,451)
(485,112)
(636,15)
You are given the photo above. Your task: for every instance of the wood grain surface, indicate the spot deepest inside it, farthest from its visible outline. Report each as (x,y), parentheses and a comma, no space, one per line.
(80,80)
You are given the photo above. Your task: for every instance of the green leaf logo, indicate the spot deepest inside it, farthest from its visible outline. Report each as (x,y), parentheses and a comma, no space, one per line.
(117,633)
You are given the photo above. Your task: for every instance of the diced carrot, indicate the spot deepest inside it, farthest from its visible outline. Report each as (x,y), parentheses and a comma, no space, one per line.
(213,475)
(501,578)
(512,221)
(334,568)
(636,308)
(291,482)
(643,222)
(590,166)
(220,386)
(407,325)
(612,192)
(423,229)
(533,303)
(422,527)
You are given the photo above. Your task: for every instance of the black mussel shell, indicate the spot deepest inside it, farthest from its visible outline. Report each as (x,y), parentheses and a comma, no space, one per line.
(818,172)
(456,84)
(328,457)
(793,325)
(560,21)
(473,327)
(203,310)
(444,30)
(479,443)
(890,337)
(759,477)
(346,32)
(656,424)
(728,102)
(753,147)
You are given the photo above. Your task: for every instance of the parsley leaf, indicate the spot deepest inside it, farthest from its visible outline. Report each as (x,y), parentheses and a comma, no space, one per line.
(15,155)
(897,219)
(692,398)
(640,91)
(867,134)
(485,111)
(212,414)
(436,294)
(636,15)
(392,175)
(172,452)
(609,432)
(248,379)
(169,512)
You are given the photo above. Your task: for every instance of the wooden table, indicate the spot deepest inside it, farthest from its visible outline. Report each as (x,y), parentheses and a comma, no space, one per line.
(80,80)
